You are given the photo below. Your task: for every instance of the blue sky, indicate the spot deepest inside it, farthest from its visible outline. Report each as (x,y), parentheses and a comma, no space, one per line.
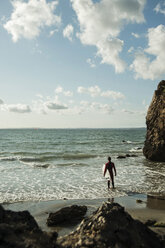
(79,63)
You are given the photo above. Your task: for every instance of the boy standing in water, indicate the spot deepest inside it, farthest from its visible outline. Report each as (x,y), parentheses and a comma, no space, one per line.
(110,167)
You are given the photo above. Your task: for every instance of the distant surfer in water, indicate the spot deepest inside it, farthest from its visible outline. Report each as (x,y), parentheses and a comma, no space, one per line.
(110,167)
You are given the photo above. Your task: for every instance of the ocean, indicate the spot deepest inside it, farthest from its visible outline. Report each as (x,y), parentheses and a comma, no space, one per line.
(49,164)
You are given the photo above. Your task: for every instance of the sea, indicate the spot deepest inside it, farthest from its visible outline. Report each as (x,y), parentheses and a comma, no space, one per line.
(49,164)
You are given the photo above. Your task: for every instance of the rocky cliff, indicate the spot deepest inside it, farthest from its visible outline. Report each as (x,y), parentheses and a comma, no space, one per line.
(154,147)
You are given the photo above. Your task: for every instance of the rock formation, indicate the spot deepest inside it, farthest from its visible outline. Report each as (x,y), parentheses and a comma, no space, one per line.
(66,215)
(154,147)
(20,230)
(111,227)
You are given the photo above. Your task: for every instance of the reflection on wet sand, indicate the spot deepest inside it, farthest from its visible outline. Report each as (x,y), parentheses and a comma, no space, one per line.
(155,202)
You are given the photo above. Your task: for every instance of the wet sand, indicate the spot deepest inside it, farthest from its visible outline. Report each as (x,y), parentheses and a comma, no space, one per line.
(139,206)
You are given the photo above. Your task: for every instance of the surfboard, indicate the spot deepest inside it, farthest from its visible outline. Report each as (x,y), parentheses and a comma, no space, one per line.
(103,168)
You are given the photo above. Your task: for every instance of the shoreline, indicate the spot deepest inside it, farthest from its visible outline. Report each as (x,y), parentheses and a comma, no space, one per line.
(139,206)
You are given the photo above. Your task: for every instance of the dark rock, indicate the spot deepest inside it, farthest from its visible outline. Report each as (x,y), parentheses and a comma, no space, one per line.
(111,227)
(154,147)
(20,230)
(23,219)
(131,155)
(70,215)
(150,222)
(121,156)
(159,224)
(128,155)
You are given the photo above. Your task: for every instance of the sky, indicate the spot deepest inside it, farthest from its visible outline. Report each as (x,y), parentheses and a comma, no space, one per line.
(79,63)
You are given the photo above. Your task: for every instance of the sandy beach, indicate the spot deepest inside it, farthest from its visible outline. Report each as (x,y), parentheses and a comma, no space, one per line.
(139,206)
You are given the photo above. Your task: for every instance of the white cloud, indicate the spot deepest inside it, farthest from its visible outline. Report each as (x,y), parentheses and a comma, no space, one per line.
(85,103)
(104,108)
(112,94)
(52,32)
(128,111)
(92,91)
(135,35)
(39,106)
(101,23)
(60,90)
(18,108)
(55,106)
(68,93)
(130,50)
(91,63)
(81,90)
(68,32)
(143,65)
(43,106)
(134,112)
(109,51)
(96,106)
(29,17)
(96,91)
(40,96)
(160,8)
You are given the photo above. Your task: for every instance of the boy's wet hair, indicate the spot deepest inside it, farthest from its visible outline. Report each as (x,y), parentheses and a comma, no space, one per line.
(109,158)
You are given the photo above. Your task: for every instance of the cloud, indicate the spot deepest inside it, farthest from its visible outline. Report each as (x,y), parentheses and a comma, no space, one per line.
(1,102)
(131,49)
(101,23)
(160,8)
(18,108)
(60,90)
(128,111)
(109,51)
(55,106)
(112,94)
(44,105)
(91,62)
(52,32)
(94,91)
(29,17)
(135,112)
(144,66)
(135,35)
(68,32)
(68,93)
(104,108)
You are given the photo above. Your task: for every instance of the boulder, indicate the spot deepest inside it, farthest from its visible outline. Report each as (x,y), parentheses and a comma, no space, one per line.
(121,156)
(20,230)
(154,147)
(67,215)
(111,227)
